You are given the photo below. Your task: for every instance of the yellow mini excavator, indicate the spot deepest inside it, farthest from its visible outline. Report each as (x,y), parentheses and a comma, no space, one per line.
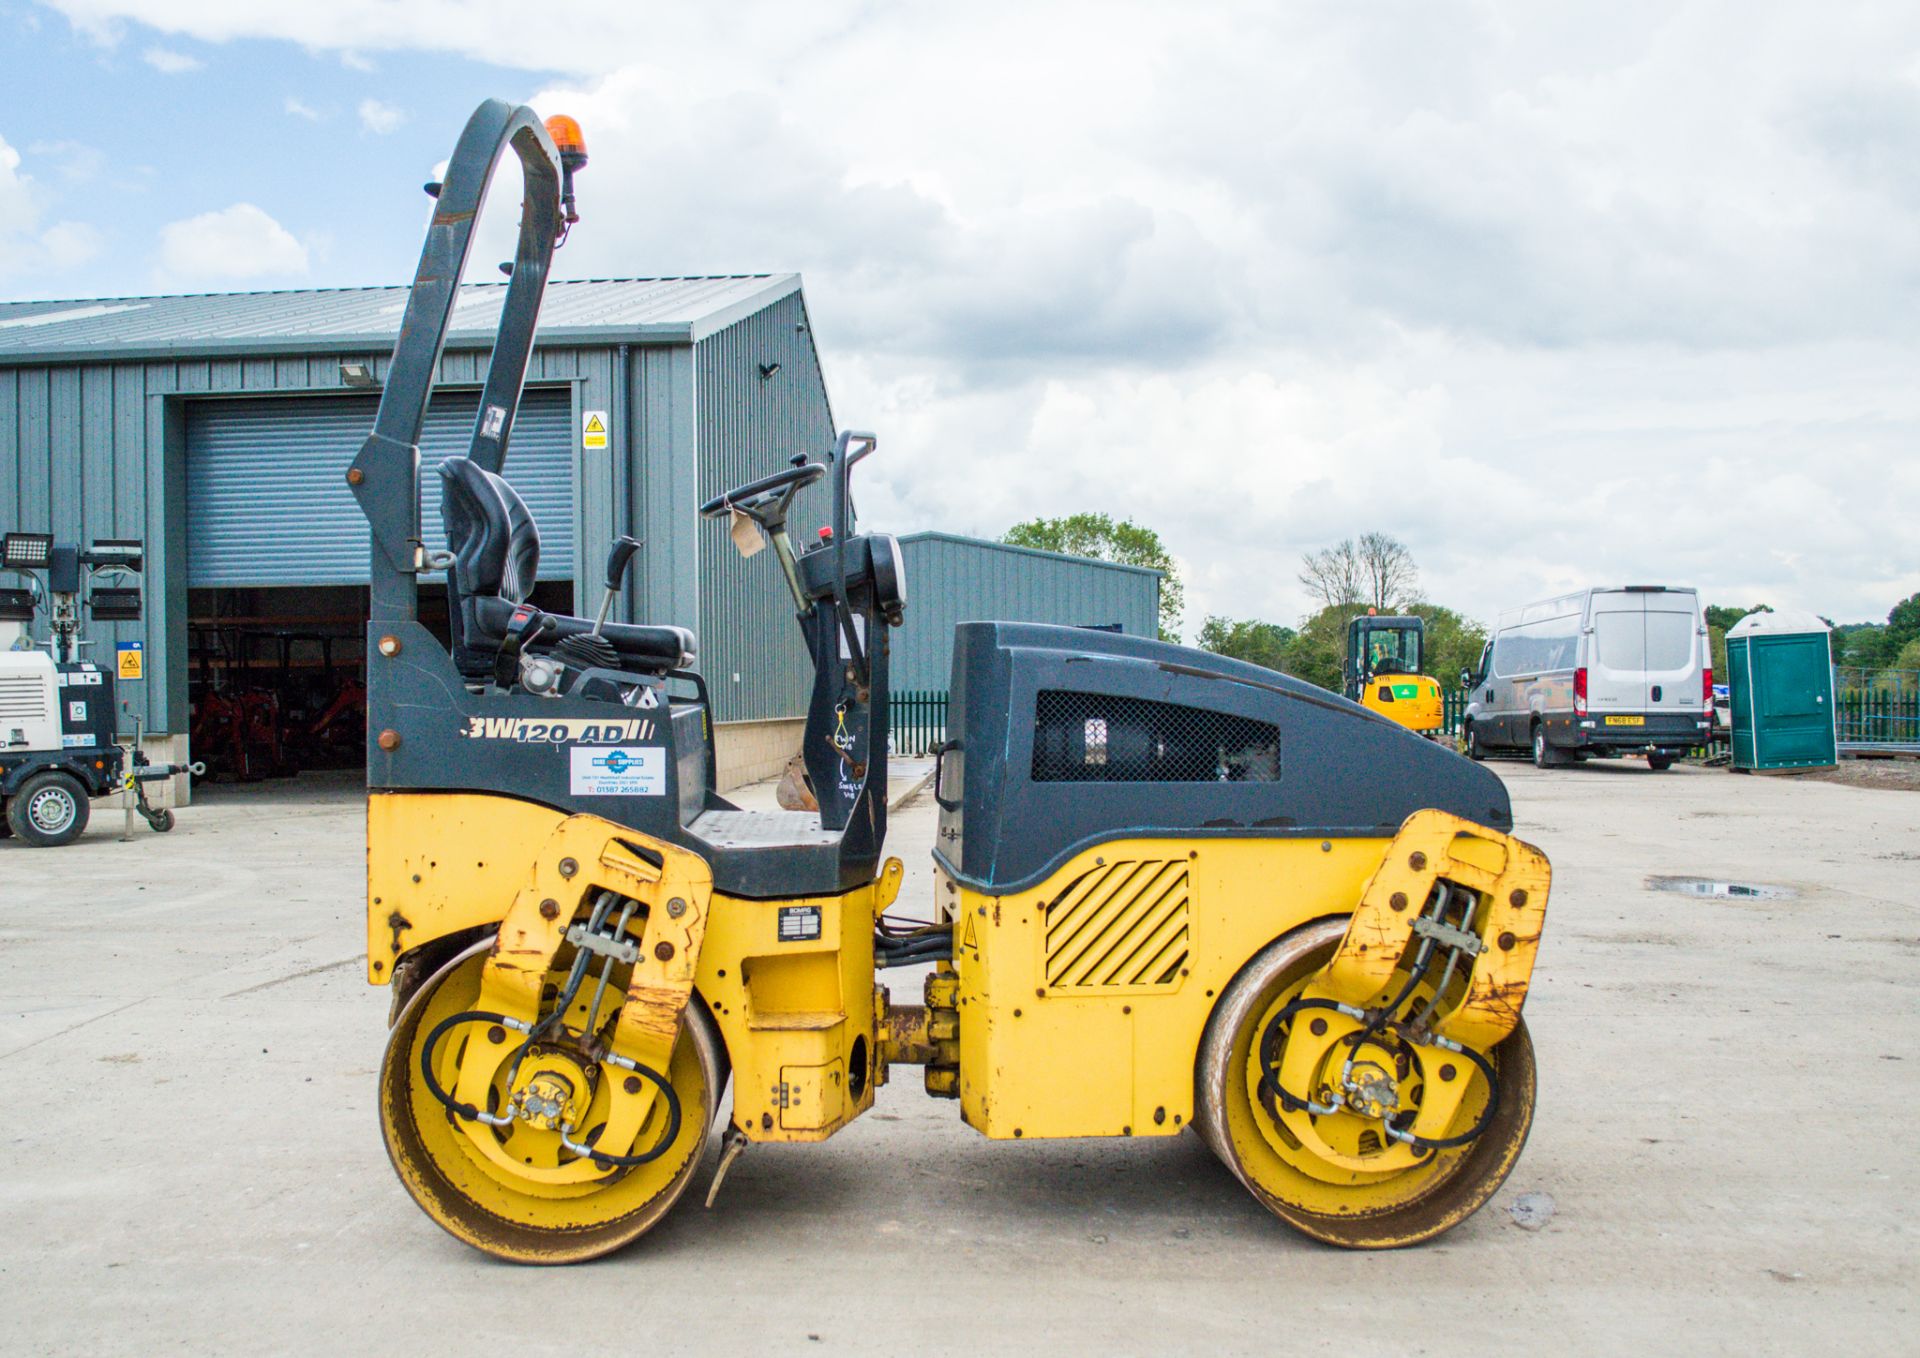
(1172,891)
(1386,672)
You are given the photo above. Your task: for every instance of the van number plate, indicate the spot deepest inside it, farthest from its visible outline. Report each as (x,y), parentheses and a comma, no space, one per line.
(1626,721)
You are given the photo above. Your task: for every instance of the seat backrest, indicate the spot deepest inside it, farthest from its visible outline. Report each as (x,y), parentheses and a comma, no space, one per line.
(496,553)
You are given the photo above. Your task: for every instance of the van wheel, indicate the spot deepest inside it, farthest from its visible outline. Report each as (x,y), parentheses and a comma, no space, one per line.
(1474,750)
(1659,763)
(1544,756)
(49,810)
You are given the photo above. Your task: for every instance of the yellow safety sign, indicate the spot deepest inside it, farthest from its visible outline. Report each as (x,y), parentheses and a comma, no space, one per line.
(593,429)
(133,659)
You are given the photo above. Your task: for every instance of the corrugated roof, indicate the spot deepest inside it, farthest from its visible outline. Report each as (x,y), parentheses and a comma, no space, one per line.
(656,310)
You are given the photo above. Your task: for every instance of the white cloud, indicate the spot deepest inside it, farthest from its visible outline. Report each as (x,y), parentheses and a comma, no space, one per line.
(68,244)
(168,62)
(1557,294)
(380,119)
(298,109)
(32,255)
(75,162)
(234,244)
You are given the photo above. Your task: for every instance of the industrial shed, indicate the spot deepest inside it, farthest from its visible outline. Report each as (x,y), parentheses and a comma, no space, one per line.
(953,579)
(218,429)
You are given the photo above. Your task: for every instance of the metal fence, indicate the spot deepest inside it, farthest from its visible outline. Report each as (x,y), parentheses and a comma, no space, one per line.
(918,721)
(1876,708)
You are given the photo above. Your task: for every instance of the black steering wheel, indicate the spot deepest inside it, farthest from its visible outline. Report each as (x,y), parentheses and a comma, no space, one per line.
(766,499)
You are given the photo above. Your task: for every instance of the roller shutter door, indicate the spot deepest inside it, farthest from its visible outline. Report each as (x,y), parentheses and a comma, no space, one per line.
(267,498)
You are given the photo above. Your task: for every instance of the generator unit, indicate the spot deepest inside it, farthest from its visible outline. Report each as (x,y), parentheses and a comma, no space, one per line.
(59,746)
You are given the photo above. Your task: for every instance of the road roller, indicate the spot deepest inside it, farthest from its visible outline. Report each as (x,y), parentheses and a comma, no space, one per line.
(1171,893)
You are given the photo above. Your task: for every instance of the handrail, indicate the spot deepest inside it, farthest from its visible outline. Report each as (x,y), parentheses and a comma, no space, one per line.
(385,477)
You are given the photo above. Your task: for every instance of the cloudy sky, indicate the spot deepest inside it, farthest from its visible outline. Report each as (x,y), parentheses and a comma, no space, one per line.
(1557,294)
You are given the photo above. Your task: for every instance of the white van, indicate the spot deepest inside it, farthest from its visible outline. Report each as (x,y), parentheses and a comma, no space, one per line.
(1595,674)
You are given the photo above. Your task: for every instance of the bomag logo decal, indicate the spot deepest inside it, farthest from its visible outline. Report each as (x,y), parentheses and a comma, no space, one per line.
(530,731)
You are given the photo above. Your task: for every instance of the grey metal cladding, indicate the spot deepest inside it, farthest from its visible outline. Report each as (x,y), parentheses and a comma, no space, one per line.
(951,580)
(267,499)
(93,440)
(72,462)
(98,449)
(761,399)
(1332,757)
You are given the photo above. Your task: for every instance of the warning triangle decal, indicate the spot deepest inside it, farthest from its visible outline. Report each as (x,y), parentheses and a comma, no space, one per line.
(595,425)
(967,939)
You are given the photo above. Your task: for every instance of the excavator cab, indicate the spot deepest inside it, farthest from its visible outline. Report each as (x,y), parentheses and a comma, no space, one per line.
(1172,890)
(1386,671)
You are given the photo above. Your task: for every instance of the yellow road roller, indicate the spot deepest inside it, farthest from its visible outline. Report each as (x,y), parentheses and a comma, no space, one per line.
(1172,892)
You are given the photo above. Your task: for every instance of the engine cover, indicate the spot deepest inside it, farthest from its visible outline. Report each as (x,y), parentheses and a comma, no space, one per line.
(1068,737)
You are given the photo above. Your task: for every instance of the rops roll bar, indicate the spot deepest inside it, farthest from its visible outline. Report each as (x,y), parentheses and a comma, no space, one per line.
(385,477)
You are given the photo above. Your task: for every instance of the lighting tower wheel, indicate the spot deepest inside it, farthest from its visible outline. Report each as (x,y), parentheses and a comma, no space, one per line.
(49,810)
(480,1201)
(1340,1204)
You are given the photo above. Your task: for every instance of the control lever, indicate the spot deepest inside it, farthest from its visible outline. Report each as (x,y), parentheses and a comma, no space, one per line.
(527,627)
(617,560)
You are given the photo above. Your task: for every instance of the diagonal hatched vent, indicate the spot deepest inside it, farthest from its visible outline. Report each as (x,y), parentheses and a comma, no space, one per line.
(1124,924)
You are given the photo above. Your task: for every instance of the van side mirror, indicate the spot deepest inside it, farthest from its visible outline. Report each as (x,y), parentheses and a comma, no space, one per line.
(1466,678)
(618,559)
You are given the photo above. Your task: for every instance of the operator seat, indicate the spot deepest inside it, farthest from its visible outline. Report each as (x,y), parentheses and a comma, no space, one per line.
(496,555)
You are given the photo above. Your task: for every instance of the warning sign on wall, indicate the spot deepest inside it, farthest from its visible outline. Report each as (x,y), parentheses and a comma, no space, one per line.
(133,659)
(593,429)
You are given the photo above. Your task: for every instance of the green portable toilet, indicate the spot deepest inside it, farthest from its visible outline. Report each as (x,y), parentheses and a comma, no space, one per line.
(1780,682)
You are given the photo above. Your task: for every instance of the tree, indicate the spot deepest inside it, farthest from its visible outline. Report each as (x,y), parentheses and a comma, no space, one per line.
(1099,537)
(1257,643)
(1861,645)
(1332,574)
(1903,624)
(1376,569)
(1720,620)
(1387,571)
(1724,618)
(1454,642)
(1319,651)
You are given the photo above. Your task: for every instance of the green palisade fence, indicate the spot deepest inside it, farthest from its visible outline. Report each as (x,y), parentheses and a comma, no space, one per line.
(1882,716)
(919,721)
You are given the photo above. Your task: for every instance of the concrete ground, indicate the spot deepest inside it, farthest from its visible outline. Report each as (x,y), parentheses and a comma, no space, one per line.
(1725,1130)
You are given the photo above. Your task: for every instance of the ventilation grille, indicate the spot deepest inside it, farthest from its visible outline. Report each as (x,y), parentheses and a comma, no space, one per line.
(23,698)
(1124,924)
(1098,738)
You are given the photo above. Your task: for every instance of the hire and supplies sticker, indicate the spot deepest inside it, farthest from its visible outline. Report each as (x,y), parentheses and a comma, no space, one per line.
(618,771)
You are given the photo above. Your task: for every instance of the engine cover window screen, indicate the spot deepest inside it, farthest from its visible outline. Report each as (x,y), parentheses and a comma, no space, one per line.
(1098,738)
